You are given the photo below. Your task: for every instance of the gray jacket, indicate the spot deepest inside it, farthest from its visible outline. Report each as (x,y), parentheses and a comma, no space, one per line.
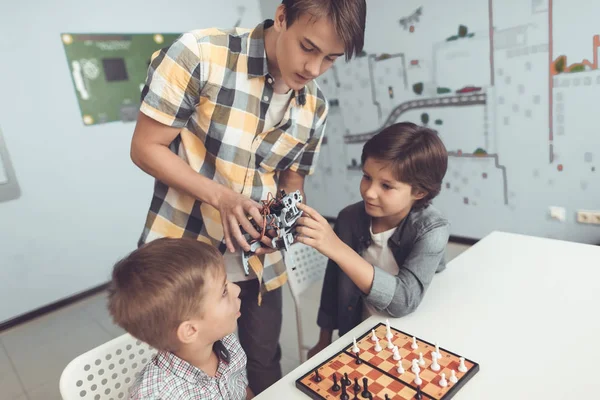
(418,245)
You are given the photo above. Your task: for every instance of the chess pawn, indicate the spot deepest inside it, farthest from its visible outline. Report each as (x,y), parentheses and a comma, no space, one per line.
(421,360)
(453,377)
(443,382)
(355,347)
(373,335)
(400,368)
(415,366)
(434,365)
(418,380)
(396,353)
(437,351)
(414,344)
(377,345)
(390,345)
(462,367)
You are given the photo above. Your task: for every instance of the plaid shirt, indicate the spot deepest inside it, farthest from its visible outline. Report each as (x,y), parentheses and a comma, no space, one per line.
(168,377)
(215,86)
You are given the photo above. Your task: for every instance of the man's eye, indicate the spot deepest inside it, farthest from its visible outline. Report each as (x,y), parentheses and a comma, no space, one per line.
(305,48)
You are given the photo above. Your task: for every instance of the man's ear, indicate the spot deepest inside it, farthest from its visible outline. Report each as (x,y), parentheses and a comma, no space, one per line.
(187,332)
(280,22)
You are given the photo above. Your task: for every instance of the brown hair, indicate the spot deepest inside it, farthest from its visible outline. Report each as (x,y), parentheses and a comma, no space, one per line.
(160,285)
(348,18)
(417,155)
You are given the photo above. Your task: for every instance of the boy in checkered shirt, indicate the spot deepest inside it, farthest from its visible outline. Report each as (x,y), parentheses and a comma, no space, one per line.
(174,295)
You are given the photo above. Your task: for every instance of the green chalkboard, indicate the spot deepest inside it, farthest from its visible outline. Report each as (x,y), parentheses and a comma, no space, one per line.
(109,70)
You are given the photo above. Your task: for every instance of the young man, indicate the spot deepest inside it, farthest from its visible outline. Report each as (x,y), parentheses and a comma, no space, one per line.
(228,117)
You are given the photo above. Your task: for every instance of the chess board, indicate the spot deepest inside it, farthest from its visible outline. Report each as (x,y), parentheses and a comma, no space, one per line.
(380,369)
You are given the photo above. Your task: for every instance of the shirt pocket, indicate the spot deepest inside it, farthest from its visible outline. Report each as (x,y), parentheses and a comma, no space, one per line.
(282,153)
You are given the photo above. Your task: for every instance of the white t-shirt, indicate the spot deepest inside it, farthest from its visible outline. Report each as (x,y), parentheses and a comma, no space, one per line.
(275,113)
(379,255)
(277,108)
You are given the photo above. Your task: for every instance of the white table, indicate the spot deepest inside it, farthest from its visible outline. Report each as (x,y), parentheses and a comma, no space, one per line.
(526,309)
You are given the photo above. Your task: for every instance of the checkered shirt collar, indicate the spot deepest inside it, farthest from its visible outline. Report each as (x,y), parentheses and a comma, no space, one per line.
(170,362)
(257,55)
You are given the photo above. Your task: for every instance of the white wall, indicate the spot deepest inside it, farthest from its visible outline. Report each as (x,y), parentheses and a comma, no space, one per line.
(268,7)
(83,202)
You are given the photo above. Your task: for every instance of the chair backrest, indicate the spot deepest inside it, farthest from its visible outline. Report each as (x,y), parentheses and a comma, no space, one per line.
(305,267)
(107,371)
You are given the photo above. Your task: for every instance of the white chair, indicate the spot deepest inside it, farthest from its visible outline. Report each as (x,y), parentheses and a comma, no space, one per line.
(107,371)
(307,266)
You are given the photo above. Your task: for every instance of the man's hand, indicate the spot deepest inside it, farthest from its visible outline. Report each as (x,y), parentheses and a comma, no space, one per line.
(315,231)
(234,209)
(266,241)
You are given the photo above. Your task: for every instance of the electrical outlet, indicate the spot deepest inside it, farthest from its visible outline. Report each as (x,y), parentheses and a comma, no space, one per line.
(558,213)
(588,217)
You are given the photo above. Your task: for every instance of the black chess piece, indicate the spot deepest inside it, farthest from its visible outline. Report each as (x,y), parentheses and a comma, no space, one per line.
(317,377)
(365,393)
(419,394)
(358,360)
(344,395)
(335,386)
(387,397)
(347,380)
(356,386)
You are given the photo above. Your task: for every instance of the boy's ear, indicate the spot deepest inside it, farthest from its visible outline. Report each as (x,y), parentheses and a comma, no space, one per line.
(280,23)
(418,194)
(187,332)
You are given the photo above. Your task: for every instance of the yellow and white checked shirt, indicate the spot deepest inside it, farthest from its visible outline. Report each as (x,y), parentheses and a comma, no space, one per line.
(214,85)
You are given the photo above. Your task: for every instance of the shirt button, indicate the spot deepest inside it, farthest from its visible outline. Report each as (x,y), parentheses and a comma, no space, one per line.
(349,308)
(266,98)
(270,80)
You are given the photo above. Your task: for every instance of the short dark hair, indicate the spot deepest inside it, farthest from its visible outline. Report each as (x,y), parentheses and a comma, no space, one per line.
(160,285)
(417,155)
(348,18)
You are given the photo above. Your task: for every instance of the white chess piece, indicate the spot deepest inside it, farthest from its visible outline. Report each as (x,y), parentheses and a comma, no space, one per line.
(415,366)
(418,380)
(443,382)
(400,368)
(434,365)
(437,351)
(414,344)
(453,377)
(421,359)
(388,334)
(396,353)
(373,335)
(355,348)
(377,345)
(390,345)
(462,367)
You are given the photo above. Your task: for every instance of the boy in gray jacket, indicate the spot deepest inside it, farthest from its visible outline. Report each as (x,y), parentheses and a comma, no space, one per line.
(383,251)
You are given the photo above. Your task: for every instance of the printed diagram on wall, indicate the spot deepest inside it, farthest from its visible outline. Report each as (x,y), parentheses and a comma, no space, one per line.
(512,90)
(9,187)
(109,72)
(411,20)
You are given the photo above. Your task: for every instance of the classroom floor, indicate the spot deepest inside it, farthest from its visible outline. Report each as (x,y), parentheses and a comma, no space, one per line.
(33,355)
